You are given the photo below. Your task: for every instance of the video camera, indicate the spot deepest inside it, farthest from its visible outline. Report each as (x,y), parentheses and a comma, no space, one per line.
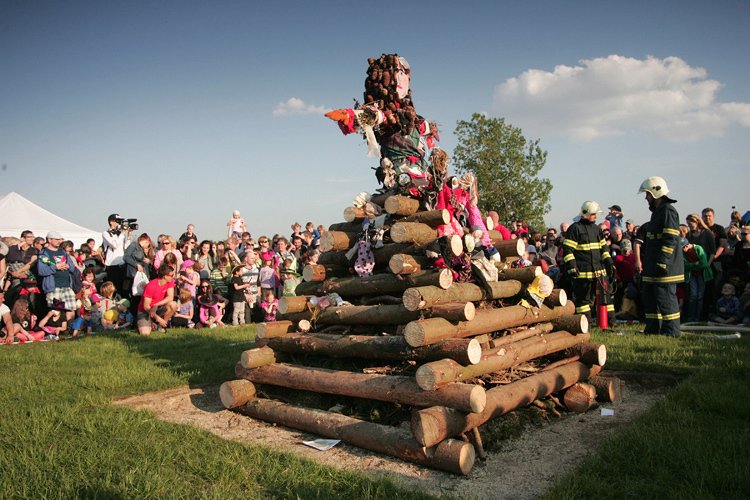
(125,225)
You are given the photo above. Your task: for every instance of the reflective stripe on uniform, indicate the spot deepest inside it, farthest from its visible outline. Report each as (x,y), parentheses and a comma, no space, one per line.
(678,278)
(668,250)
(653,316)
(568,257)
(670,231)
(670,317)
(583,309)
(570,243)
(610,308)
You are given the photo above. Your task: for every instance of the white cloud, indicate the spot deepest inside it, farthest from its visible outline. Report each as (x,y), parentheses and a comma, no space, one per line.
(296,106)
(613,95)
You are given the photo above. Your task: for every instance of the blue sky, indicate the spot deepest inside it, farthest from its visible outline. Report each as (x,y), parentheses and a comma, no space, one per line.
(180,112)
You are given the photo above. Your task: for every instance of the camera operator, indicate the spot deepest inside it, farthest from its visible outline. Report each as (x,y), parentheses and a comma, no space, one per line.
(115,241)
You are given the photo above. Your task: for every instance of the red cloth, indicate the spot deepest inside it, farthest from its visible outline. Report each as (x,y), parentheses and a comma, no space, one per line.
(155,291)
(625,266)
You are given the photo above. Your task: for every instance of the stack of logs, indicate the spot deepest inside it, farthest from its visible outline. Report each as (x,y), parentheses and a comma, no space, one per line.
(458,354)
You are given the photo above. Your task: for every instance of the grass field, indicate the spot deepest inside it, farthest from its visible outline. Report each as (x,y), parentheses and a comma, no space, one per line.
(61,437)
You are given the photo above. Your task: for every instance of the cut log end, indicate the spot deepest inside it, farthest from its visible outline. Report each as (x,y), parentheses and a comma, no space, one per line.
(456,245)
(260,356)
(580,397)
(608,389)
(235,393)
(455,456)
(445,279)
(474,351)
(412,299)
(414,334)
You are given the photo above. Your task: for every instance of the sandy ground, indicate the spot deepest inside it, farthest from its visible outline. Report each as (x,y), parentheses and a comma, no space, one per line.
(523,468)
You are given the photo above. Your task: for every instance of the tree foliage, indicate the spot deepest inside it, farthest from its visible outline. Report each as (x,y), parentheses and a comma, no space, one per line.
(507,166)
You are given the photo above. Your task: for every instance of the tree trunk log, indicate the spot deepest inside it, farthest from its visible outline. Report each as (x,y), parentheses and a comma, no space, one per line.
(354,213)
(310,287)
(321,272)
(426,297)
(509,248)
(260,356)
(453,311)
(294,304)
(333,258)
(384,254)
(428,331)
(537,330)
(337,241)
(580,397)
(366,315)
(385,283)
(413,232)
(273,329)
(236,393)
(436,374)
(347,227)
(590,353)
(558,297)
(523,274)
(432,218)
(401,205)
(402,263)
(432,425)
(464,351)
(574,323)
(451,455)
(396,389)
(608,389)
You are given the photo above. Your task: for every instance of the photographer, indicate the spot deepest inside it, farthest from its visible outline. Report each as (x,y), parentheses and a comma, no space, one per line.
(115,241)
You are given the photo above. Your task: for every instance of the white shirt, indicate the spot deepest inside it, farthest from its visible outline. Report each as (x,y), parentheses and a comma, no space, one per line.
(114,246)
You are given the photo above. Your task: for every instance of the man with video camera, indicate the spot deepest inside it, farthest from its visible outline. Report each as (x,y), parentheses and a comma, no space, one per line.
(115,241)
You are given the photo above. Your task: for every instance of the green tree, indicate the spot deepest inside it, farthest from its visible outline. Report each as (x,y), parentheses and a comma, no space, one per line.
(507,166)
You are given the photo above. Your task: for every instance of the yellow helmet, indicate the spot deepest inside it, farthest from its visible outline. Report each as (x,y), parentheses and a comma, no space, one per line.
(590,207)
(657,186)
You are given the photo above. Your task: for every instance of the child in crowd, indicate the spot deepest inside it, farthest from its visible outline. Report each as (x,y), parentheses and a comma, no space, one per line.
(23,317)
(270,305)
(105,304)
(88,278)
(189,278)
(220,276)
(291,280)
(211,305)
(83,320)
(184,315)
(238,288)
(124,316)
(267,276)
(55,322)
(236,225)
(727,307)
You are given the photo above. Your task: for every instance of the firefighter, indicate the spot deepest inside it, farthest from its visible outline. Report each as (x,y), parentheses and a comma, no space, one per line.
(587,259)
(661,256)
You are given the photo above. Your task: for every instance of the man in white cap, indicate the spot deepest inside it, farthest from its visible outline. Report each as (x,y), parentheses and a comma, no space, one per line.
(587,258)
(56,269)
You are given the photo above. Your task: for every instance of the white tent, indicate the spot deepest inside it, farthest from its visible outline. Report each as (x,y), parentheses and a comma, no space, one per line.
(17,214)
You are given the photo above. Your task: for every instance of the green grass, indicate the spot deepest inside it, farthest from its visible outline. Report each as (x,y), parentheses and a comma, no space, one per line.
(695,443)
(61,437)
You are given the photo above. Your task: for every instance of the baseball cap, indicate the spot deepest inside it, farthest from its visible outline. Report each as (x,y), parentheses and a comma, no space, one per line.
(616,207)
(630,221)
(113,217)
(54,235)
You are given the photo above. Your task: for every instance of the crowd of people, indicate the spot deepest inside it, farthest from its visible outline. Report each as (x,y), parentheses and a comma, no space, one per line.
(52,289)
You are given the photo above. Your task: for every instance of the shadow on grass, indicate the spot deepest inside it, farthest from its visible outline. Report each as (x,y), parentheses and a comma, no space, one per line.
(198,356)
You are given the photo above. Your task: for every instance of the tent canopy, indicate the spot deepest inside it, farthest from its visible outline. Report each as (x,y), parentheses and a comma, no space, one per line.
(18,214)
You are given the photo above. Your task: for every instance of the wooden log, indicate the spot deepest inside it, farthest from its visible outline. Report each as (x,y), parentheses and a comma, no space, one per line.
(436,374)
(337,241)
(608,389)
(454,311)
(558,297)
(451,455)
(304,325)
(574,323)
(523,334)
(432,425)
(432,218)
(366,315)
(464,351)
(321,272)
(347,227)
(294,317)
(396,389)
(260,356)
(413,232)
(401,205)
(354,213)
(384,254)
(591,353)
(236,393)
(334,258)
(294,304)
(385,283)
(402,263)
(509,248)
(580,397)
(427,331)
(426,297)
(310,287)
(523,274)
(273,329)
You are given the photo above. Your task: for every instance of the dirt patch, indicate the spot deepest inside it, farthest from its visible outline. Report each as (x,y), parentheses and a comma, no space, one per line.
(523,468)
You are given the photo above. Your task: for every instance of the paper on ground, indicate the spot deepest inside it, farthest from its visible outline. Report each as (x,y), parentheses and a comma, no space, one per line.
(608,412)
(322,444)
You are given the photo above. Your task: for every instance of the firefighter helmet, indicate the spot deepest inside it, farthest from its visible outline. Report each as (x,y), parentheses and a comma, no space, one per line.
(657,186)
(590,207)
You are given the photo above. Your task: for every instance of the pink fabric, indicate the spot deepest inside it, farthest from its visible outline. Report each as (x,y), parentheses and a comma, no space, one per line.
(205,312)
(476,219)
